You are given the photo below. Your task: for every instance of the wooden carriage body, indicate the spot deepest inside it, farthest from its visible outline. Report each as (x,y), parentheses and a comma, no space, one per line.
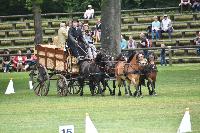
(54,58)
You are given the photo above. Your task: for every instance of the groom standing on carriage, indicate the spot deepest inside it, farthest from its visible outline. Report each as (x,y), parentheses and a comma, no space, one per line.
(76,42)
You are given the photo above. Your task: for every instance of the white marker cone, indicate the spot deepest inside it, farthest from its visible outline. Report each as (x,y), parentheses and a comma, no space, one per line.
(185,125)
(10,88)
(89,126)
(30,85)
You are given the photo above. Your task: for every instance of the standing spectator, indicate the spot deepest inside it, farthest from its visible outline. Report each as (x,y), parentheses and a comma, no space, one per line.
(162,56)
(166,26)
(185,4)
(197,42)
(123,43)
(132,43)
(62,36)
(6,61)
(98,30)
(30,60)
(195,5)
(89,13)
(19,61)
(144,43)
(155,28)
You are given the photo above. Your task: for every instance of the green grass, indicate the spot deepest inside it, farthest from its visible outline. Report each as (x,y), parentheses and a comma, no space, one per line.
(177,88)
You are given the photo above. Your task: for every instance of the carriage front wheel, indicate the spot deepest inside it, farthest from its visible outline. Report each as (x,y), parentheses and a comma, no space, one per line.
(40,80)
(62,85)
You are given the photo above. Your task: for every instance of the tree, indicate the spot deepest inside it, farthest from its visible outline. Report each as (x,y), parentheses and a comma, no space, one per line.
(111,26)
(35,4)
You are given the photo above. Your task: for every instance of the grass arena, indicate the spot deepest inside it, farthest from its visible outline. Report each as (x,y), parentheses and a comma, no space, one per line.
(177,88)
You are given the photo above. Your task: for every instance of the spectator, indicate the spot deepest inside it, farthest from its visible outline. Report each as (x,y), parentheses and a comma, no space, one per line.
(185,4)
(166,26)
(90,44)
(89,13)
(196,5)
(98,30)
(19,61)
(62,36)
(132,43)
(149,30)
(6,61)
(162,56)
(144,43)
(123,43)
(197,42)
(30,60)
(155,28)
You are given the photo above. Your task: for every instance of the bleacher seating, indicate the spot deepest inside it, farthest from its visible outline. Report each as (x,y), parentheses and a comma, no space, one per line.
(18,30)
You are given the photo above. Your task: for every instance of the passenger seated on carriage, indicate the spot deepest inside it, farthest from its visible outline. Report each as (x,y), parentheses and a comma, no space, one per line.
(90,45)
(76,42)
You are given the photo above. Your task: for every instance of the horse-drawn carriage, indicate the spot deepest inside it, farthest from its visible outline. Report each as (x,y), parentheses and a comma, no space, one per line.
(55,64)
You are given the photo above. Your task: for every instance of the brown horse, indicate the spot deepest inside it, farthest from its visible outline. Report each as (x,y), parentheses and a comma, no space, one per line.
(150,74)
(130,72)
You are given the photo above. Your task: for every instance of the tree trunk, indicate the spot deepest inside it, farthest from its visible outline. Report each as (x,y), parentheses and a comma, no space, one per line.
(111,26)
(37,23)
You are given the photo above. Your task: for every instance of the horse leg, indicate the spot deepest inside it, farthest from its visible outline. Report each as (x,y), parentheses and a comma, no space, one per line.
(114,87)
(126,91)
(119,86)
(92,86)
(154,91)
(148,85)
(107,85)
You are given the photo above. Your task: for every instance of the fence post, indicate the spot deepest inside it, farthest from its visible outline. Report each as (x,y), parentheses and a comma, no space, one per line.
(170,55)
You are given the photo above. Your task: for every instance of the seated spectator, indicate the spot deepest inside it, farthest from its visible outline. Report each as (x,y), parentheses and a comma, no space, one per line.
(197,42)
(123,43)
(185,4)
(90,45)
(149,30)
(166,26)
(6,62)
(131,43)
(98,30)
(89,13)
(144,43)
(19,61)
(30,60)
(195,5)
(155,28)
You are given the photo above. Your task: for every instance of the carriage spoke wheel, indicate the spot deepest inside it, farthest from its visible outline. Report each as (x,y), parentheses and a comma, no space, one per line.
(40,80)
(73,87)
(62,85)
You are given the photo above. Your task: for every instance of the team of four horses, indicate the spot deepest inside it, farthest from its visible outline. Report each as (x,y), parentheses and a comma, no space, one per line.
(129,68)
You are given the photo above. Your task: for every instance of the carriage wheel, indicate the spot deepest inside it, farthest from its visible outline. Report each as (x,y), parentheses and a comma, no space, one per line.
(62,85)
(73,87)
(40,80)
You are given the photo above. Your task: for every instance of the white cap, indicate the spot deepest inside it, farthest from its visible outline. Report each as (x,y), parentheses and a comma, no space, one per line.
(89,6)
(62,24)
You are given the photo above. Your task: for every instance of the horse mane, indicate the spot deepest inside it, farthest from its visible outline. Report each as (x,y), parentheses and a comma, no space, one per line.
(131,57)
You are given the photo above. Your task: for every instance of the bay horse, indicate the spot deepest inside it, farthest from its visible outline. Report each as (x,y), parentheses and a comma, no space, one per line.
(130,72)
(150,74)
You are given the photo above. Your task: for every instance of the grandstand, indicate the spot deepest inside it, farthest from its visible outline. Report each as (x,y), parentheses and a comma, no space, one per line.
(17,31)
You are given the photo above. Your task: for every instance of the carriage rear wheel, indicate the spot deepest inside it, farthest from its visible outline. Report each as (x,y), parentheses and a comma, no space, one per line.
(62,85)
(40,80)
